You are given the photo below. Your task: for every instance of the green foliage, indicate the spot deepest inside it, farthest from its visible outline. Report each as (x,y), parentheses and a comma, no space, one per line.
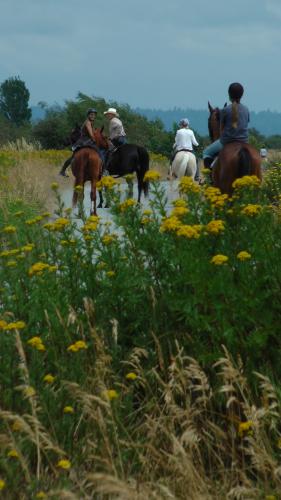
(14,97)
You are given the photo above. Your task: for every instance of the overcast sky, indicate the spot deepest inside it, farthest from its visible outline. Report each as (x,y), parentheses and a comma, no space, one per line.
(147,53)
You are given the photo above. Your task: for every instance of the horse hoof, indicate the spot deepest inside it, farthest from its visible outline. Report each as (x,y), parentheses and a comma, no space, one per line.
(100,205)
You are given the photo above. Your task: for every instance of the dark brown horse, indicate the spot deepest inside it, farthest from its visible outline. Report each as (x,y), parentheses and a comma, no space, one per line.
(235,160)
(87,166)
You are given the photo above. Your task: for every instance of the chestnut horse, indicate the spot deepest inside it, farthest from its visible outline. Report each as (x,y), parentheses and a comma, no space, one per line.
(235,160)
(87,166)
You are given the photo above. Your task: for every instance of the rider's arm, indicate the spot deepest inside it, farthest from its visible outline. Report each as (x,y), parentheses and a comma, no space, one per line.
(193,140)
(89,129)
(222,121)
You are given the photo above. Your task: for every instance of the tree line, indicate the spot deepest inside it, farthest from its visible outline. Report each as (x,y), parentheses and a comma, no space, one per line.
(54,129)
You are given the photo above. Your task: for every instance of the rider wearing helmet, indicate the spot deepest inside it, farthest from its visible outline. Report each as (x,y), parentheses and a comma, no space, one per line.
(234,120)
(86,138)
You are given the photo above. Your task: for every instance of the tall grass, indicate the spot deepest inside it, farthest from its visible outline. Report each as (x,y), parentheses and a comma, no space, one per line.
(140,359)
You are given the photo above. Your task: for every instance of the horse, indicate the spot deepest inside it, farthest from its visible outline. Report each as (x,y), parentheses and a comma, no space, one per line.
(127,159)
(235,160)
(184,163)
(87,166)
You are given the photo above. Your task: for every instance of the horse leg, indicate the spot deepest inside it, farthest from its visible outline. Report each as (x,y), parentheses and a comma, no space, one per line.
(93,197)
(101,199)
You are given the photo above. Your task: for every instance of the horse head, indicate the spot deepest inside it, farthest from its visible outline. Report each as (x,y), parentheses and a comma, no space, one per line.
(214,122)
(101,139)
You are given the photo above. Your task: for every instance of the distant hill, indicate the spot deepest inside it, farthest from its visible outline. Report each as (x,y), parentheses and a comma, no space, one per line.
(266,122)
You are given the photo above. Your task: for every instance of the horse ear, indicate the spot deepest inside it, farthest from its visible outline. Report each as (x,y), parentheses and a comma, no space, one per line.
(225,104)
(211,109)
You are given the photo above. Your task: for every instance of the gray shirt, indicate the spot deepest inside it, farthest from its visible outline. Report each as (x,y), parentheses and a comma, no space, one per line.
(231,134)
(116,128)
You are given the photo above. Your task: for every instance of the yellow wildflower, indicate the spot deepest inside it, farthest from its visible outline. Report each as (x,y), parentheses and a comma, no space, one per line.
(179,203)
(13,454)
(215,226)
(246,181)
(38,268)
(29,391)
(187,185)
(80,344)
(179,211)
(78,188)
(147,212)
(64,464)
(131,376)
(251,210)
(15,325)
(3,324)
(54,186)
(243,255)
(40,494)
(245,428)
(151,176)
(189,231)
(2,484)
(11,263)
(130,202)
(170,224)
(129,177)
(108,238)
(49,379)
(219,259)
(110,394)
(145,220)
(9,229)
(27,248)
(68,409)
(106,182)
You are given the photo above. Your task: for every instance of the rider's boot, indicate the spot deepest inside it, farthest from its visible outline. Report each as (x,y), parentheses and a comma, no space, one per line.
(208,162)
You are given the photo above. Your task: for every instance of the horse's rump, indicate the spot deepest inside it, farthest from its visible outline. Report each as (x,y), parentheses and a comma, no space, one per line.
(86,164)
(235,160)
(184,163)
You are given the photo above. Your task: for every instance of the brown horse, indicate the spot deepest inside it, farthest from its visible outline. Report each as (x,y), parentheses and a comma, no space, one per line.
(235,160)
(87,166)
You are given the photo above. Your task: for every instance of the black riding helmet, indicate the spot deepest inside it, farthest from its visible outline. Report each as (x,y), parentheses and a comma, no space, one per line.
(235,91)
(91,110)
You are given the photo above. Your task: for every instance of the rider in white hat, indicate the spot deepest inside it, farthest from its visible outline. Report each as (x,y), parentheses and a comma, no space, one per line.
(117,133)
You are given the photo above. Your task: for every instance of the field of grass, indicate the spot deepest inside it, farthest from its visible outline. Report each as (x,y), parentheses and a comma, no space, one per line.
(140,359)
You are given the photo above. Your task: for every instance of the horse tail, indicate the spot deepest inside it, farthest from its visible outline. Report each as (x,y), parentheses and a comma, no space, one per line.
(244,162)
(144,167)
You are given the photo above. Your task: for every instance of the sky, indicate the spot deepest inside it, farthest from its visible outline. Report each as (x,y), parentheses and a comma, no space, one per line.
(147,53)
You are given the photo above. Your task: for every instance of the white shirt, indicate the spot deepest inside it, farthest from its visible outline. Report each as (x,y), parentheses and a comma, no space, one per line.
(185,139)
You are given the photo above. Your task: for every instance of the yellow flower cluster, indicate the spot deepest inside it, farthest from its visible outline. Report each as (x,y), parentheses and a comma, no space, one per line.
(2,484)
(107,239)
(106,182)
(129,178)
(151,176)
(38,268)
(27,248)
(91,224)
(8,253)
(13,454)
(215,226)
(170,224)
(179,203)
(58,225)
(64,464)
(219,260)
(110,274)
(31,222)
(110,394)
(215,197)
(246,181)
(49,378)
(245,428)
(29,391)
(243,255)
(9,229)
(15,325)
(190,232)
(68,409)
(130,202)
(187,185)
(179,211)
(37,343)
(77,346)
(131,376)
(251,210)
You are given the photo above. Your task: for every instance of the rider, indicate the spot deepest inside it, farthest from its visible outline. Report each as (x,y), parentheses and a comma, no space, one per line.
(117,134)
(184,140)
(234,120)
(86,138)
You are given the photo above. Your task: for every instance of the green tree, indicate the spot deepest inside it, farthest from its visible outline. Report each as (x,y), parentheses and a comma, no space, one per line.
(14,97)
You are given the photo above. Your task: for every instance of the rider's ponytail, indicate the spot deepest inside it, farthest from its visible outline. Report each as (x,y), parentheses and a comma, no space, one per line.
(234,114)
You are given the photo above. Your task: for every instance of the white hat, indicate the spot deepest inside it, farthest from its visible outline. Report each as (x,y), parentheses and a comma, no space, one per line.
(111,111)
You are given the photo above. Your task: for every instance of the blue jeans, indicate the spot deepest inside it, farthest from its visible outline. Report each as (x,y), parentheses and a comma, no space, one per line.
(213,149)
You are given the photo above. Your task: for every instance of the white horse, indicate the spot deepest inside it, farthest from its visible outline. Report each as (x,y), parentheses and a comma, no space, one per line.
(184,163)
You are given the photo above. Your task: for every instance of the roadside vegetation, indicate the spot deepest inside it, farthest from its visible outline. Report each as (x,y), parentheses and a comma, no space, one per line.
(140,358)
